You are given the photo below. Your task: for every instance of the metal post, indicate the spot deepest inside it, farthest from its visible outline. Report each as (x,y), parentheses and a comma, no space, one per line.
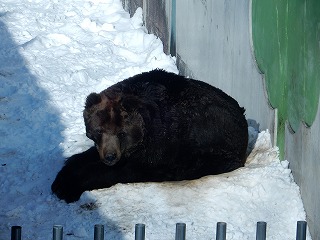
(261,230)
(57,232)
(140,231)
(301,230)
(180,231)
(98,232)
(221,231)
(16,233)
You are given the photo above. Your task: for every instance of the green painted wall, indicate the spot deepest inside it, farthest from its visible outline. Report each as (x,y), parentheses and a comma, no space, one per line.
(286,39)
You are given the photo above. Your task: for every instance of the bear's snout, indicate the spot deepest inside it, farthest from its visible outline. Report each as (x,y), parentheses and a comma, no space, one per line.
(110,157)
(109,149)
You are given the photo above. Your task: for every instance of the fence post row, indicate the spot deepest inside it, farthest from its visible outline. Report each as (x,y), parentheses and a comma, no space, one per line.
(140,229)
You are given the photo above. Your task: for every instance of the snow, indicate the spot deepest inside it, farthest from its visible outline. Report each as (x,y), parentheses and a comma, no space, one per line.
(52,55)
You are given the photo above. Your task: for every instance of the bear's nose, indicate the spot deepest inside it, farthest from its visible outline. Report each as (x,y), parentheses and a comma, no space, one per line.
(110,157)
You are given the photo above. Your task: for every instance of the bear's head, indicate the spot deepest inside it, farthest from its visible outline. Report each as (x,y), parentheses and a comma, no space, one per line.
(114,124)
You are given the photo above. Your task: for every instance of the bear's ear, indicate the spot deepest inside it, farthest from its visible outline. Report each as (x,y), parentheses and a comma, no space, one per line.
(92,99)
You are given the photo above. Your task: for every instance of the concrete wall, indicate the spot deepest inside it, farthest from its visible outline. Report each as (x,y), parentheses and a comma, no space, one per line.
(214,45)
(212,41)
(303,150)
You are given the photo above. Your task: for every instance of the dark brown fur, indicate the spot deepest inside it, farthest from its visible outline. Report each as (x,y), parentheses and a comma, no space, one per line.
(155,126)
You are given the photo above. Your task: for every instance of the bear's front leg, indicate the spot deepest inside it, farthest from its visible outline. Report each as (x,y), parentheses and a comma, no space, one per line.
(78,175)
(85,171)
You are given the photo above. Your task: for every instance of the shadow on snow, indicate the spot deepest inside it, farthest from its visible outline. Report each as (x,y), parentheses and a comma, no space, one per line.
(31,131)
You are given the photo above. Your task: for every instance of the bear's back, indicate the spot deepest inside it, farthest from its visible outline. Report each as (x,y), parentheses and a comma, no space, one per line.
(158,85)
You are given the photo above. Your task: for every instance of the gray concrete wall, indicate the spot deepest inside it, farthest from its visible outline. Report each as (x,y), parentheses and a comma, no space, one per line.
(212,43)
(302,149)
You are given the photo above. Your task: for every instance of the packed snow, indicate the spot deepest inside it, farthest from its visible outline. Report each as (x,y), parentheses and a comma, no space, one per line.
(52,55)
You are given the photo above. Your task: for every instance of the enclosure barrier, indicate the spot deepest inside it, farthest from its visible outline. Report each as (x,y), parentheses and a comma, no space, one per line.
(221,232)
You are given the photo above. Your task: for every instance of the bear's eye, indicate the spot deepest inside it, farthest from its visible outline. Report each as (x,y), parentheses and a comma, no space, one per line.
(122,135)
(98,132)
(94,135)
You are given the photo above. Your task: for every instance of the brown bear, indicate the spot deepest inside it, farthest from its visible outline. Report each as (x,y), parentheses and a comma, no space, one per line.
(152,127)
